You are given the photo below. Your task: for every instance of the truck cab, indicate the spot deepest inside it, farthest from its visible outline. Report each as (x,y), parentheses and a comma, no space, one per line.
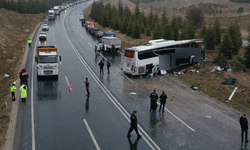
(51,14)
(47,60)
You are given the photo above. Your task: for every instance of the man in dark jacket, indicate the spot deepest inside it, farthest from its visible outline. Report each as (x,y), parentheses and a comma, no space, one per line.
(153,109)
(163,98)
(113,48)
(153,96)
(87,86)
(25,77)
(108,65)
(101,64)
(133,125)
(244,127)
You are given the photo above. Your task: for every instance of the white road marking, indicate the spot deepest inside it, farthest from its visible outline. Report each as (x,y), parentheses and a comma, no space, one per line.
(67,80)
(178,118)
(90,44)
(91,134)
(102,56)
(122,110)
(120,52)
(82,36)
(60,62)
(54,39)
(32,102)
(220,113)
(77,30)
(124,75)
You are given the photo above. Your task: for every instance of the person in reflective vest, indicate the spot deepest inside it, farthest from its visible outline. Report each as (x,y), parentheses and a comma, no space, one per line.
(13,88)
(23,90)
(29,41)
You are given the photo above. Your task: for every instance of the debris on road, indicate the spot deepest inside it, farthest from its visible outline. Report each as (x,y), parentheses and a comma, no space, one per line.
(6,75)
(133,93)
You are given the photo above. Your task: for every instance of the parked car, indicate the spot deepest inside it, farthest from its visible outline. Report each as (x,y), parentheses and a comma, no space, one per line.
(42,36)
(99,34)
(45,27)
(89,29)
(94,30)
(109,34)
(81,18)
(84,21)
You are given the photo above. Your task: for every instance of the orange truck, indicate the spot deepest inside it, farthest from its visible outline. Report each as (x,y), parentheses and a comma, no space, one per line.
(47,60)
(89,24)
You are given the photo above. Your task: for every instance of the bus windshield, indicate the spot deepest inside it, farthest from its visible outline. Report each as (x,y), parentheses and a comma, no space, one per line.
(129,54)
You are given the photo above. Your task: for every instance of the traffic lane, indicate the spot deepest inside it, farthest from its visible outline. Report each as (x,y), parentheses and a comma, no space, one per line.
(192,112)
(23,132)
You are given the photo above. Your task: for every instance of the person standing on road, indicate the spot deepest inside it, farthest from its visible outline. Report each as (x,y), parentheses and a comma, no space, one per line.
(23,90)
(13,88)
(101,64)
(163,98)
(154,112)
(153,96)
(108,66)
(113,48)
(97,47)
(87,86)
(244,127)
(25,77)
(133,124)
(29,41)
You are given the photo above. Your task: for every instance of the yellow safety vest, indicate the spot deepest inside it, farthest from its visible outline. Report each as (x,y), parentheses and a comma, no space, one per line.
(13,88)
(23,91)
(29,41)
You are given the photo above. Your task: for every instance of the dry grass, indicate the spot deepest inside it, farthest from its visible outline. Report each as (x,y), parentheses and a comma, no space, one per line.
(12,40)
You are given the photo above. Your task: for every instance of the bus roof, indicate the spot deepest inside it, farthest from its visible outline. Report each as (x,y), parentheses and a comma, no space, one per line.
(162,43)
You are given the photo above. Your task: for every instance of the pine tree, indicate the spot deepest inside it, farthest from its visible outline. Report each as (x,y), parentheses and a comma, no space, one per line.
(129,29)
(124,25)
(226,46)
(155,20)
(190,30)
(247,54)
(235,38)
(210,38)
(142,29)
(105,21)
(137,10)
(148,31)
(203,31)
(217,32)
(136,30)
(120,7)
(157,31)
(183,34)
(167,32)
(150,18)
(175,28)
(116,23)
(237,27)
(164,18)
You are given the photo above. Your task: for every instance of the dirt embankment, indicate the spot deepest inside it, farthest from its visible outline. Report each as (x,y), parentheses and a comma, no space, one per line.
(12,41)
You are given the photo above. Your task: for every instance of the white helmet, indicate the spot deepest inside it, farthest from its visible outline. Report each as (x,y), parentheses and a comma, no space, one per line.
(14,82)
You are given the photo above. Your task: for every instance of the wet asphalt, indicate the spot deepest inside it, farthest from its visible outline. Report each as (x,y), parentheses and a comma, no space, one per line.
(60,115)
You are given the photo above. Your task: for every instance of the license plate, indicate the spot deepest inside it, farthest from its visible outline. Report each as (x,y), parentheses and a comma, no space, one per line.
(128,64)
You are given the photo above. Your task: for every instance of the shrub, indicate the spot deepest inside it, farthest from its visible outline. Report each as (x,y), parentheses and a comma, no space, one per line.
(221,58)
(238,66)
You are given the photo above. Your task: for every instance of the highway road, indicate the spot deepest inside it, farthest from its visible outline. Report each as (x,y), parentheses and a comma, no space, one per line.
(55,118)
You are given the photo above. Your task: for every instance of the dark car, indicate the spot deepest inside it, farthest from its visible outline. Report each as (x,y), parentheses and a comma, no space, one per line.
(94,31)
(99,34)
(83,21)
(89,29)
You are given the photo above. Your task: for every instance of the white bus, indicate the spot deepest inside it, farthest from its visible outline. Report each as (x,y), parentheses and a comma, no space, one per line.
(144,59)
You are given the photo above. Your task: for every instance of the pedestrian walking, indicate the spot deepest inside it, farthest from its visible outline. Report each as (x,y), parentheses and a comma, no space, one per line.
(133,124)
(23,90)
(108,66)
(153,96)
(163,98)
(13,89)
(87,86)
(154,112)
(244,127)
(101,64)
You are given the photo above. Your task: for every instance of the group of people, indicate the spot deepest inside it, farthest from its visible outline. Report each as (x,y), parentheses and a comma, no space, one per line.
(102,46)
(101,64)
(23,75)
(153,103)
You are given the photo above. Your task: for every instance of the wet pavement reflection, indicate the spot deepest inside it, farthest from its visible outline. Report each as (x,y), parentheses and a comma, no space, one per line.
(47,89)
(133,146)
(87,104)
(243,146)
